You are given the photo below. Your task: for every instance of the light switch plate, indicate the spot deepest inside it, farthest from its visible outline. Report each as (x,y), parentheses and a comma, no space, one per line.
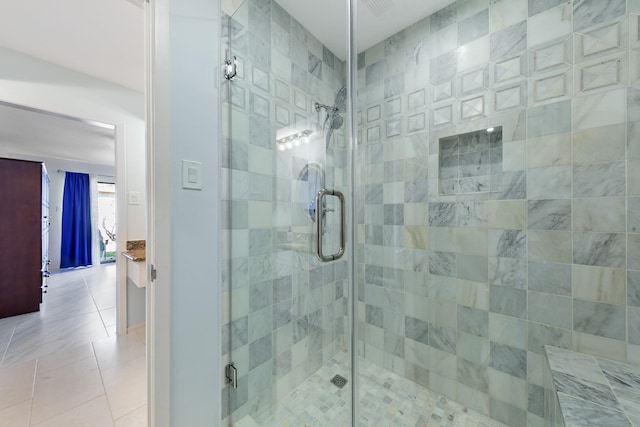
(134,197)
(191,175)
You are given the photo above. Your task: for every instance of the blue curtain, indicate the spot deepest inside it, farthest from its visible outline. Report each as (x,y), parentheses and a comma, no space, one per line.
(76,221)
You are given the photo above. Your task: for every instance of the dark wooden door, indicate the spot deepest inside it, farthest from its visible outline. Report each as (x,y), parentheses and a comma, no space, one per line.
(20,237)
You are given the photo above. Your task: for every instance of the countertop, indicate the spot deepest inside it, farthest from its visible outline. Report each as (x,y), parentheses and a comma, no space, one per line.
(595,392)
(136,250)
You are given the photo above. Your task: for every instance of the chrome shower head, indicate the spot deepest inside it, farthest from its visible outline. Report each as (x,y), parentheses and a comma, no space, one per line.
(341,100)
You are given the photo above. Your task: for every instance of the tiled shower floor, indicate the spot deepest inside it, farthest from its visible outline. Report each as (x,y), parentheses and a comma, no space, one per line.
(386,400)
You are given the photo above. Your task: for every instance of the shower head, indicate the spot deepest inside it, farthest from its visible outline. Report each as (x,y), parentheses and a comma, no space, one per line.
(336,120)
(334,117)
(341,100)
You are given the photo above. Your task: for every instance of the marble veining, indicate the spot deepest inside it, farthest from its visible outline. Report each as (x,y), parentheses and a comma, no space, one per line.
(591,12)
(592,391)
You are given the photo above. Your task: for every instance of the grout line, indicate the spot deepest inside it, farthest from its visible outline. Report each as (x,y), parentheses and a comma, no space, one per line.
(33,391)
(104,388)
(84,280)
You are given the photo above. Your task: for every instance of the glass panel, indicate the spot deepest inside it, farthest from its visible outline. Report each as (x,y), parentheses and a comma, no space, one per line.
(497,143)
(107,221)
(286,319)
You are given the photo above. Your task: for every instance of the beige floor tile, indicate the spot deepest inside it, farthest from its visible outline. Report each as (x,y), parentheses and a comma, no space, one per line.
(94,413)
(115,351)
(136,418)
(142,333)
(16,383)
(108,316)
(62,389)
(63,358)
(126,386)
(16,415)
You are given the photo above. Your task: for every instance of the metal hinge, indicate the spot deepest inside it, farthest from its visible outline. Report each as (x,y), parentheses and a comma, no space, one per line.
(152,272)
(231,374)
(230,68)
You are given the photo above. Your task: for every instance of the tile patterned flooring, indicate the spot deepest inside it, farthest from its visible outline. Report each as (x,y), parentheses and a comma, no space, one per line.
(386,400)
(64,366)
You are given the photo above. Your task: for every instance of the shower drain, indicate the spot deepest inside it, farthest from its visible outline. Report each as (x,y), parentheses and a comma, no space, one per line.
(338,381)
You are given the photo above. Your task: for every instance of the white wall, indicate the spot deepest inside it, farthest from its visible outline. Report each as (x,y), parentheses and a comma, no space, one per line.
(29,81)
(185,354)
(34,83)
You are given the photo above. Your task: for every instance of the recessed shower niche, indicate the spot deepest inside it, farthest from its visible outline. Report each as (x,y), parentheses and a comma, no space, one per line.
(471,162)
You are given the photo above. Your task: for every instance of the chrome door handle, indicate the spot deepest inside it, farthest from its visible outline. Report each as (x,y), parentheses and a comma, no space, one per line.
(319,232)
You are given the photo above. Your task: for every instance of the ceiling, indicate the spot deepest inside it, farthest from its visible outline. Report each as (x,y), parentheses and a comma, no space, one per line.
(376,19)
(105,39)
(101,38)
(26,131)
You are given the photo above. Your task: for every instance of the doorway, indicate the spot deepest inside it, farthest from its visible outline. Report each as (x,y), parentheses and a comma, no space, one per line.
(107,221)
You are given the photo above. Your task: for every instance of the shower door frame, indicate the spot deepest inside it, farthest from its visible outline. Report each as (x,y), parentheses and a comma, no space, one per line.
(350,135)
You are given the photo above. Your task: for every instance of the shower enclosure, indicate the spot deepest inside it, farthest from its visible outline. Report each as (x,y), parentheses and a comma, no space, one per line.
(487,152)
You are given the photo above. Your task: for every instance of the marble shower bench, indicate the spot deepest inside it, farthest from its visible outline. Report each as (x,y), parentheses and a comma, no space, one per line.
(584,391)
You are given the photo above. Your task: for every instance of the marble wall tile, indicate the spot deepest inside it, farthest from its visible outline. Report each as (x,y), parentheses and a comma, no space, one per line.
(601,249)
(417,330)
(509,301)
(549,119)
(551,24)
(510,272)
(375,73)
(374,315)
(551,150)
(443,68)
(504,13)
(509,360)
(550,309)
(442,214)
(507,414)
(633,251)
(540,335)
(508,330)
(473,321)
(633,288)
(633,214)
(394,214)
(599,214)
(509,42)
(471,214)
(601,144)
(443,264)
(553,214)
(507,243)
(473,375)
(473,27)
(599,179)
(605,320)
(601,109)
(507,214)
(549,183)
(549,277)
(587,13)
(442,338)
(443,18)
(472,267)
(537,6)
(552,246)
(599,284)
(259,351)
(260,323)
(472,348)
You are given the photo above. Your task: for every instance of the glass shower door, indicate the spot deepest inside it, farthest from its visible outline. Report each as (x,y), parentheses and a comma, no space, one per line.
(284,291)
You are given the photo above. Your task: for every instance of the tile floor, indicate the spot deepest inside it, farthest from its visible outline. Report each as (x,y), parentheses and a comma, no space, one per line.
(64,366)
(386,399)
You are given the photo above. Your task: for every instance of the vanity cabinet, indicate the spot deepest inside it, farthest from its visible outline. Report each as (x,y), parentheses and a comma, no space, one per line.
(21,231)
